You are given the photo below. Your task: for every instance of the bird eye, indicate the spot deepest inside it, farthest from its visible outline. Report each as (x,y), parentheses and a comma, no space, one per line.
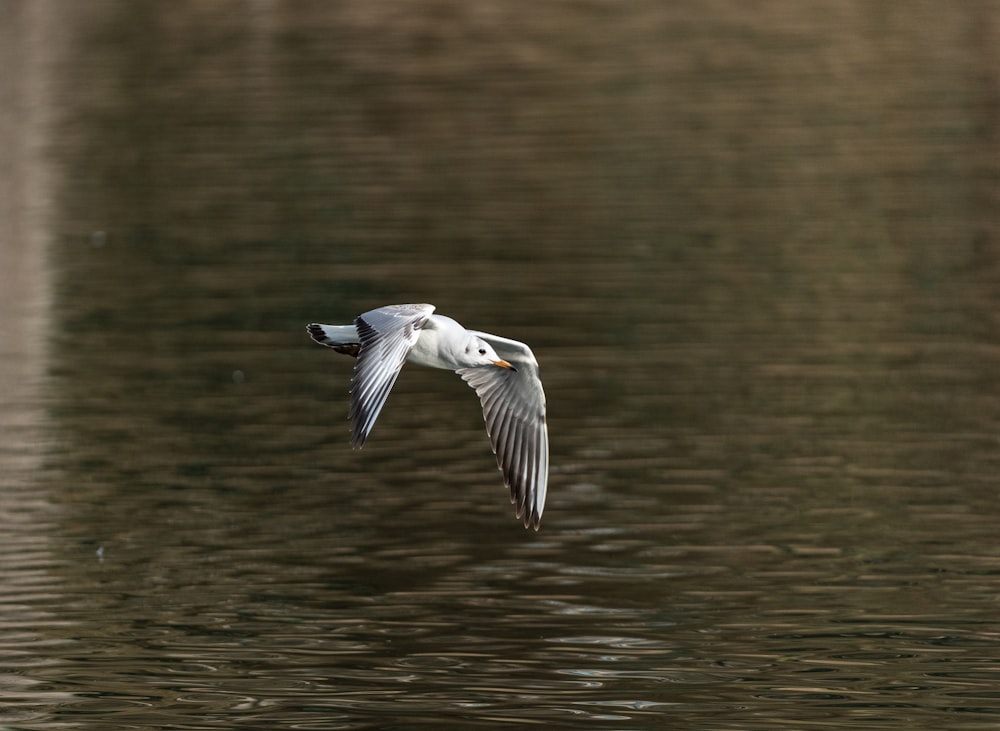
(482,351)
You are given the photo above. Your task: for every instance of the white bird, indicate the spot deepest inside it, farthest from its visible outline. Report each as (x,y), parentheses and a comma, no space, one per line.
(504,374)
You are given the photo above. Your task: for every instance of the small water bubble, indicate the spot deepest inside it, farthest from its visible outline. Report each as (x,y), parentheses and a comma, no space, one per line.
(239,376)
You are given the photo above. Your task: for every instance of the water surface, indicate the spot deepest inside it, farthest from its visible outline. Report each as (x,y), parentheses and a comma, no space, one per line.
(754,249)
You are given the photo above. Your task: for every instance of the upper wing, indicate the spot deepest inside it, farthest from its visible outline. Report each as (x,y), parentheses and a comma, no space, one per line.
(514,410)
(387,335)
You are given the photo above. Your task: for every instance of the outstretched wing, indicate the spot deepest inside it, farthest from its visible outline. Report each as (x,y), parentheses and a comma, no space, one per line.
(514,410)
(387,335)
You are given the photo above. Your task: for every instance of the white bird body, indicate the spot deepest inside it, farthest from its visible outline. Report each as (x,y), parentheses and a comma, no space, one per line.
(503,372)
(438,346)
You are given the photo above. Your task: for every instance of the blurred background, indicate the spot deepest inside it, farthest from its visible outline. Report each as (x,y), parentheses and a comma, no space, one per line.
(755,248)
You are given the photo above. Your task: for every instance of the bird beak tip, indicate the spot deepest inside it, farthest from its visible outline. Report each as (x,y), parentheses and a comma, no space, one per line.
(504,364)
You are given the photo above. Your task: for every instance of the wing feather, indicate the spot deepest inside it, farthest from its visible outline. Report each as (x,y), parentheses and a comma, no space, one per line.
(514,412)
(387,335)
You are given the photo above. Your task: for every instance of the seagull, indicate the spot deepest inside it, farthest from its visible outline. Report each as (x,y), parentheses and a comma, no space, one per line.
(503,373)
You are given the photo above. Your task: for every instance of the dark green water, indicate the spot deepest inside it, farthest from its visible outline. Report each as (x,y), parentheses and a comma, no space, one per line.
(755,248)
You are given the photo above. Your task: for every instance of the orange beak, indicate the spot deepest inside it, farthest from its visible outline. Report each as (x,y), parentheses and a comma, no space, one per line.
(504,364)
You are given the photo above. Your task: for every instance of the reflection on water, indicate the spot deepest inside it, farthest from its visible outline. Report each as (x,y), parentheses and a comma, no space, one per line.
(755,251)
(31,625)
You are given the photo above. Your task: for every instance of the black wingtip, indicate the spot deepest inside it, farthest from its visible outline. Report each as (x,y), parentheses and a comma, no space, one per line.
(526,514)
(533,520)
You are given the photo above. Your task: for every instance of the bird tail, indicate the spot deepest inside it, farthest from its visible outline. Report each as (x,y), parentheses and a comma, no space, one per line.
(342,338)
